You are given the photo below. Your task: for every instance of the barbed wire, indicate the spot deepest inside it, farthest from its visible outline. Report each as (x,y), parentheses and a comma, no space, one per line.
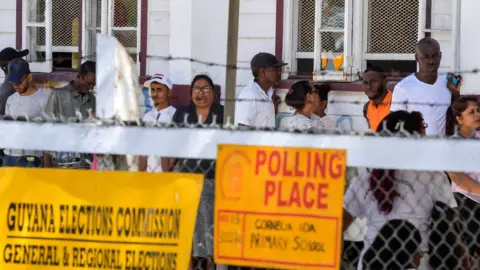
(292,73)
(116,121)
(334,101)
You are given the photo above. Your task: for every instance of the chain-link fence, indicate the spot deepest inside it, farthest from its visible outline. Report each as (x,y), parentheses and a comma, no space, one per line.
(406,217)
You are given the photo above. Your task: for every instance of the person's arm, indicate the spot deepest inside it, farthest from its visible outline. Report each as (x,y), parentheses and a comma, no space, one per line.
(51,109)
(142,163)
(465,182)
(399,100)
(455,90)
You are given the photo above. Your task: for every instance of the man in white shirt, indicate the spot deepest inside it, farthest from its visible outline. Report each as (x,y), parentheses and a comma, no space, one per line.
(28,101)
(256,104)
(160,90)
(426,91)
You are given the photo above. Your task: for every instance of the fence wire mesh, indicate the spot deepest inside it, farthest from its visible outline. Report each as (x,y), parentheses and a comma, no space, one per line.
(394,219)
(306,25)
(392,26)
(66,15)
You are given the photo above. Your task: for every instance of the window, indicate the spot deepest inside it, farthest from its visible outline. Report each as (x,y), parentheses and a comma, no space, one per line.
(322,49)
(349,35)
(59,33)
(332,31)
(305,39)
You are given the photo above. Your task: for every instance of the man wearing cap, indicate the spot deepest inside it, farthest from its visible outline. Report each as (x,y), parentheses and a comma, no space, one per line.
(65,102)
(27,101)
(256,104)
(6,89)
(160,90)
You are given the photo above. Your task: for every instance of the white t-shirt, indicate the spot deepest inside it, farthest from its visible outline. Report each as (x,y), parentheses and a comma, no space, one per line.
(163,116)
(420,96)
(418,191)
(254,107)
(31,106)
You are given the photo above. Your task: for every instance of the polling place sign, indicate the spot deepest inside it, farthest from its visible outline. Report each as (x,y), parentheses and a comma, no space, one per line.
(279,207)
(79,219)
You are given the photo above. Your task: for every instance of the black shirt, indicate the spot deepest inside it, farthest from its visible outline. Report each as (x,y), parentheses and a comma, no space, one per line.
(205,166)
(215,109)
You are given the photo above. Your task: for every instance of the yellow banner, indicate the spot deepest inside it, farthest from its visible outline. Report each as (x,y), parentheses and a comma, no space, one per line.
(279,207)
(79,219)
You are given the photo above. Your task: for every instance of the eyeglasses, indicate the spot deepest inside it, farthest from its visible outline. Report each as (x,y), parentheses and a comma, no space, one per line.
(205,89)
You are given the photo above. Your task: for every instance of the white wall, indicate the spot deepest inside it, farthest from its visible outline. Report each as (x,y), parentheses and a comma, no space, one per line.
(198,29)
(256,34)
(158,35)
(469,46)
(442,20)
(7,25)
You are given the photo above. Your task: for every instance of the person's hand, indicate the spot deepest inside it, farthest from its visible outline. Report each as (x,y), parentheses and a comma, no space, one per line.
(276,100)
(455,90)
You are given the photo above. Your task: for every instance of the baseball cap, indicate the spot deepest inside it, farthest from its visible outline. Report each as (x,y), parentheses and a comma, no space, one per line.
(8,54)
(17,69)
(159,78)
(265,60)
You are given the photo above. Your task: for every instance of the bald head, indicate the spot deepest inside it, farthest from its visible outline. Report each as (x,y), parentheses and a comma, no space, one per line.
(428,55)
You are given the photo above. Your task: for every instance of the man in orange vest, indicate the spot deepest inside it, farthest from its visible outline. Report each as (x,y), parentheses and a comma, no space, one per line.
(380,98)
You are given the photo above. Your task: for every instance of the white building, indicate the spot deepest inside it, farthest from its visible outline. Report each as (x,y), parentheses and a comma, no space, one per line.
(355,33)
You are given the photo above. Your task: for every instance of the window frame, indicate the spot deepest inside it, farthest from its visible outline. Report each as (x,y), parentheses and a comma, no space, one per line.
(355,41)
(47,66)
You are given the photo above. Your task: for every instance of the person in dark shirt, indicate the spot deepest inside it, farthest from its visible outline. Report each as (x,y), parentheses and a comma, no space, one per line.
(202,110)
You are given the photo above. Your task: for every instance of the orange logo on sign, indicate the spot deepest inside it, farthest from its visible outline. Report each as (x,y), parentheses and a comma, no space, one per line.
(233,175)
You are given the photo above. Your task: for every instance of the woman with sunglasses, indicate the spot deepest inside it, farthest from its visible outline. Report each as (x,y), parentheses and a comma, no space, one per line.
(202,110)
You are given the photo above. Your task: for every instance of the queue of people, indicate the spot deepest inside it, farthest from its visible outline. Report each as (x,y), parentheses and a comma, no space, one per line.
(397,203)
